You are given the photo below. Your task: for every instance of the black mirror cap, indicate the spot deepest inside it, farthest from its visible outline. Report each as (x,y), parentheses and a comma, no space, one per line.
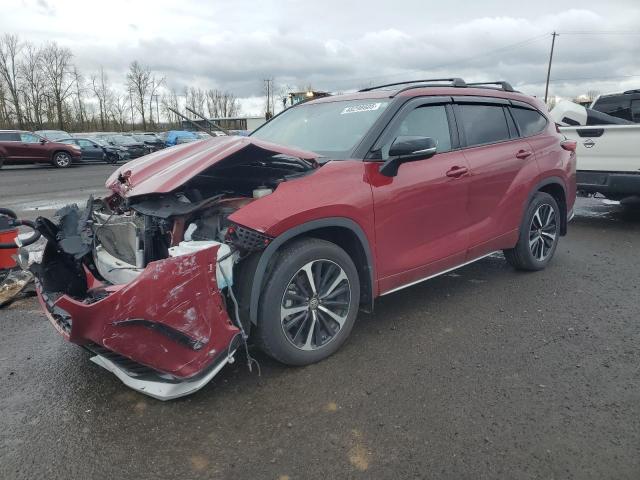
(407,149)
(411,147)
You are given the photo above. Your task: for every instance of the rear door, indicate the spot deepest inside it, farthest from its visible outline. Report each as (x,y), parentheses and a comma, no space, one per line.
(10,145)
(421,213)
(498,162)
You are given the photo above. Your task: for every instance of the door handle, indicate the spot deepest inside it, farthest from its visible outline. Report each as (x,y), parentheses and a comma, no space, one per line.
(522,154)
(456,172)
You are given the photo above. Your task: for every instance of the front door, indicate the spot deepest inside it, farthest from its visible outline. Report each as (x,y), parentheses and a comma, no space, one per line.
(30,148)
(420,214)
(90,150)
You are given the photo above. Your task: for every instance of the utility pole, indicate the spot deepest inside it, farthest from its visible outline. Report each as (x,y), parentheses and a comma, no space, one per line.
(546,88)
(268,83)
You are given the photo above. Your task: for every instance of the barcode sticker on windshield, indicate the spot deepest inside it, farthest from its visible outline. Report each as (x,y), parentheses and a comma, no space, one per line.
(365,107)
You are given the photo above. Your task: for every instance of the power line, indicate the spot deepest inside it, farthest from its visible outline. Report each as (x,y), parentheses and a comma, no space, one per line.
(574,79)
(448,64)
(602,32)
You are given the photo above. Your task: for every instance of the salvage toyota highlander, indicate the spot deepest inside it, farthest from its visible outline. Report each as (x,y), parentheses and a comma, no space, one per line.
(280,238)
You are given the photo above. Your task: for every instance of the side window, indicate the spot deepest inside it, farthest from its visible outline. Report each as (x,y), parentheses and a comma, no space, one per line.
(529,122)
(429,121)
(84,143)
(9,137)
(635,111)
(483,124)
(29,138)
(616,106)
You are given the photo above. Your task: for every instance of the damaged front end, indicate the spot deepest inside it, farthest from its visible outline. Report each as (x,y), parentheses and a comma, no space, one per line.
(145,282)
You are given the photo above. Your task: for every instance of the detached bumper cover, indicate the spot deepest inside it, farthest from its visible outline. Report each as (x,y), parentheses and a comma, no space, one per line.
(171,319)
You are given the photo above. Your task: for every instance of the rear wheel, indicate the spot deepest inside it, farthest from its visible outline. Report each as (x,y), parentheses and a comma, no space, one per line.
(539,234)
(61,159)
(309,304)
(1,162)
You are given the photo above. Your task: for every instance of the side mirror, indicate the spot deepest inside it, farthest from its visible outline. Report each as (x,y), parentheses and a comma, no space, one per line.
(42,141)
(407,149)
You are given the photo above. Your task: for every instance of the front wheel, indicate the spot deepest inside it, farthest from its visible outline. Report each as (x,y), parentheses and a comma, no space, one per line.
(539,234)
(309,304)
(61,159)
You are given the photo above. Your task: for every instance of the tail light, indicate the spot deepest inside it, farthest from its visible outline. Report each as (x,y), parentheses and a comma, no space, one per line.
(569,145)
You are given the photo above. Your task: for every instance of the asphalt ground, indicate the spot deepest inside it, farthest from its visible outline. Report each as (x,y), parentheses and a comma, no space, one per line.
(481,373)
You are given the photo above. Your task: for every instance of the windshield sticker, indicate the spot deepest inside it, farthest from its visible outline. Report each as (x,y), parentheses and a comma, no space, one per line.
(365,107)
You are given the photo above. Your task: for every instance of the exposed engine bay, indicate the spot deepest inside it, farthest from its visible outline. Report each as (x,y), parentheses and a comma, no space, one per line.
(144,278)
(124,235)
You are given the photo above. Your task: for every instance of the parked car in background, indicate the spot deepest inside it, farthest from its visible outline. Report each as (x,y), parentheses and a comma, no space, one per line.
(287,234)
(151,140)
(18,146)
(53,135)
(625,105)
(174,136)
(134,148)
(97,150)
(608,146)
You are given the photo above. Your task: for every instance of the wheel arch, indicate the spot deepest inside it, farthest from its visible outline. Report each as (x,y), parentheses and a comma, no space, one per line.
(555,187)
(342,231)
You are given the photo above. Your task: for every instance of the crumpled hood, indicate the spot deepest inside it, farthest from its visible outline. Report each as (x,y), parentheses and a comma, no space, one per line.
(168,169)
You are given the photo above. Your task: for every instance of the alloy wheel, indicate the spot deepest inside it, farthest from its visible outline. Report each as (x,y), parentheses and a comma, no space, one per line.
(62,160)
(543,232)
(315,304)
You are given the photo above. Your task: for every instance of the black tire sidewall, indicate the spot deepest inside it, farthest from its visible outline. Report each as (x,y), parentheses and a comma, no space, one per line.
(292,258)
(532,263)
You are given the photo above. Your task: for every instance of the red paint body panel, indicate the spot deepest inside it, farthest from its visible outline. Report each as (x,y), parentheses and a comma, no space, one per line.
(421,218)
(168,169)
(180,293)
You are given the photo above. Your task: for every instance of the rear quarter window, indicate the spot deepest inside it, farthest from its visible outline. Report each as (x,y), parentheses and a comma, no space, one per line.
(9,137)
(529,122)
(616,106)
(483,124)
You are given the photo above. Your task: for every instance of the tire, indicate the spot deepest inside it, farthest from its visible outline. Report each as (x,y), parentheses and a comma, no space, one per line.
(1,162)
(331,311)
(62,160)
(539,234)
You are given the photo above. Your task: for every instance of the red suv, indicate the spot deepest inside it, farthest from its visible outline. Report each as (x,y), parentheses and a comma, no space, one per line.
(19,147)
(283,236)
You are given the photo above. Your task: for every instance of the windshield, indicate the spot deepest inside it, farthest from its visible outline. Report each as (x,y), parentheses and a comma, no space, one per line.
(332,129)
(53,134)
(122,140)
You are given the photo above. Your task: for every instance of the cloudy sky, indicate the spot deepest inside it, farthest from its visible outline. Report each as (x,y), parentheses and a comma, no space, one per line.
(341,45)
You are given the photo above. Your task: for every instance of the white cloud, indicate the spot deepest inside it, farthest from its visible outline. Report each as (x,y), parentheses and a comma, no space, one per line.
(337,45)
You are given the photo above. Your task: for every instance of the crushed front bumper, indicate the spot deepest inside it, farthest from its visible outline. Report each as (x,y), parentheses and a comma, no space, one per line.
(165,334)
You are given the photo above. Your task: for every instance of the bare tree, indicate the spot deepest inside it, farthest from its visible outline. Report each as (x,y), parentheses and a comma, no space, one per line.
(34,84)
(195,99)
(57,68)
(102,91)
(593,94)
(120,110)
(153,95)
(168,103)
(221,104)
(80,90)
(140,81)
(10,48)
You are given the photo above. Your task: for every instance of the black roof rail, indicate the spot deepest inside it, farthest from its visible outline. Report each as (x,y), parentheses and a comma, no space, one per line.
(628,92)
(454,82)
(506,86)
